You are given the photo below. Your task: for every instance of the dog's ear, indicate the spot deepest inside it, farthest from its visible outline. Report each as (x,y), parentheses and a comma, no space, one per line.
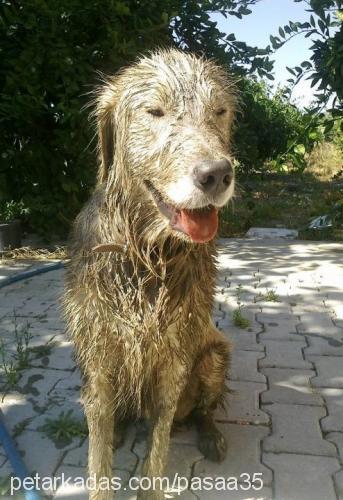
(105,115)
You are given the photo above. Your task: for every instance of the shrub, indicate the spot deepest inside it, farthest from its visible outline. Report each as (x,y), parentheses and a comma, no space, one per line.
(12,210)
(49,54)
(268,127)
(325,161)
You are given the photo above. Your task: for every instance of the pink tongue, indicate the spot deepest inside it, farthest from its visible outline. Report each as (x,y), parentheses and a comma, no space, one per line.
(200,225)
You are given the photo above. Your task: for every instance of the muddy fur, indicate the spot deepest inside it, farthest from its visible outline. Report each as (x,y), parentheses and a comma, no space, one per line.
(139,311)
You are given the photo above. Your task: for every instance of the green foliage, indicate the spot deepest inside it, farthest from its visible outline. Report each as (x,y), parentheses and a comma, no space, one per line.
(13,363)
(283,135)
(19,360)
(238,317)
(271,296)
(49,54)
(324,68)
(11,210)
(65,427)
(239,320)
(271,129)
(193,29)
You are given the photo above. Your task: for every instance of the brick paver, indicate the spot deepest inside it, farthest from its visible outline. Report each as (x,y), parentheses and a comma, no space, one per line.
(290,387)
(330,371)
(334,420)
(284,355)
(296,429)
(284,419)
(301,477)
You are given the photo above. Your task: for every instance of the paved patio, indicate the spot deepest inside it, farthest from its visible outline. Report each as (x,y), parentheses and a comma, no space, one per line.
(285,417)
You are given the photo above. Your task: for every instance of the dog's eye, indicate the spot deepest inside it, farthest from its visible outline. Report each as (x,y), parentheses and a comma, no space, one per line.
(156,112)
(220,111)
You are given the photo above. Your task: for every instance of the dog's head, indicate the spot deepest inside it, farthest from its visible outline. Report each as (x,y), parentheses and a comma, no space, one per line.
(164,128)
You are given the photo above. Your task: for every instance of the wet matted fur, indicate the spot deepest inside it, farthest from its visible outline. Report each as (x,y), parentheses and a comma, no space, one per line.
(139,311)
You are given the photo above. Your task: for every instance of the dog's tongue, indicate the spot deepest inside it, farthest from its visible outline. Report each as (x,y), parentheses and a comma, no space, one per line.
(200,225)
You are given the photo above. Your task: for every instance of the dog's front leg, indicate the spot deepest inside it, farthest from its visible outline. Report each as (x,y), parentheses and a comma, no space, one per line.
(98,403)
(155,462)
(156,459)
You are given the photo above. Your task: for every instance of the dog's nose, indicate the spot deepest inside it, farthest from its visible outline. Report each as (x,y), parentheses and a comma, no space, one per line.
(213,176)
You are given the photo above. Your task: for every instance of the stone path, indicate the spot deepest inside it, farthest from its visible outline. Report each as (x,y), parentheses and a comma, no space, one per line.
(281,304)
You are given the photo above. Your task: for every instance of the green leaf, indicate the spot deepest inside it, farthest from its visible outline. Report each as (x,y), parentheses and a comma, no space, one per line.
(306,64)
(322,26)
(299,149)
(66,187)
(245,11)
(314,135)
(269,76)
(329,126)
(315,81)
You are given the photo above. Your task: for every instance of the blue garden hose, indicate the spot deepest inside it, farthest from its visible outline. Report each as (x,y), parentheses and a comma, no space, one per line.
(28,274)
(6,440)
(14,457)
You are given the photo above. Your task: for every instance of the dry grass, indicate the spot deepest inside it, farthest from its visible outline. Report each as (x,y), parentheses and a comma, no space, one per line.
(325,161)
(28,253)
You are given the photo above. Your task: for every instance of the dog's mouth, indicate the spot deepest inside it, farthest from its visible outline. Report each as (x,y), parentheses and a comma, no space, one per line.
(200,224)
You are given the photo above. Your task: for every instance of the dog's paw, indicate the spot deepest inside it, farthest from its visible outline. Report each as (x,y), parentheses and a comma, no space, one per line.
(213,445)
